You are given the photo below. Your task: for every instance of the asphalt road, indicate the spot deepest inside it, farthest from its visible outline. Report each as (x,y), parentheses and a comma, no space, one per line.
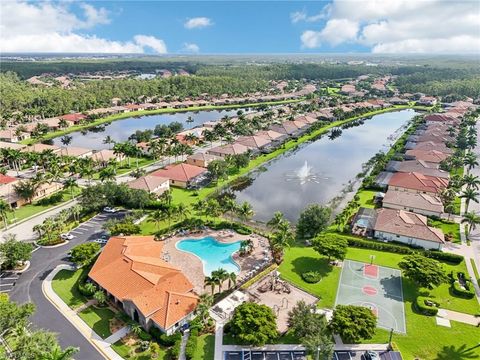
(28,287)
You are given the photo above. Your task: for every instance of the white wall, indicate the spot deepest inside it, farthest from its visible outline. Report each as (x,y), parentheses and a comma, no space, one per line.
(380,235)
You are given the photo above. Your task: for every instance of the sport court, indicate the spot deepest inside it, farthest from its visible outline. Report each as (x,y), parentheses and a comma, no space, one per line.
(376,287)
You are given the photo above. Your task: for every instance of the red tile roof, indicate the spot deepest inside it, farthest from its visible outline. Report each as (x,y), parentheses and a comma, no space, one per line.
(5,179)
(180,172)
(418,182)
(74,117)
(130,269)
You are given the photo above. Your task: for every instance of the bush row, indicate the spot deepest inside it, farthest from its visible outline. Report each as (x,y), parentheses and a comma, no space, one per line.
(423,308)
(467,293)
(164,339)
(192,344)
(404,249)
(311,277)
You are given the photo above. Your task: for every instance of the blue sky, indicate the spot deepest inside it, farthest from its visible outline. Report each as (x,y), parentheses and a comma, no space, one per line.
(213,27)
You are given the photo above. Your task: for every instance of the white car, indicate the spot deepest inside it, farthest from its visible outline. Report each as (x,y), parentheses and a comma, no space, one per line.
(66,236)
(101,241)
(110,209)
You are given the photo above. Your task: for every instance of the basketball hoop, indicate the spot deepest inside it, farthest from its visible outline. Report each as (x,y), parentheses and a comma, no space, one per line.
(372,257)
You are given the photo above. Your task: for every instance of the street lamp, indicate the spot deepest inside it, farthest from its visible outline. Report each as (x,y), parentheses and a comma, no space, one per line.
(390,339)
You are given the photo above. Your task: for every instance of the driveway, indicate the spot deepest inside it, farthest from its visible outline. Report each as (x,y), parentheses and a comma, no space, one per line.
(28,287)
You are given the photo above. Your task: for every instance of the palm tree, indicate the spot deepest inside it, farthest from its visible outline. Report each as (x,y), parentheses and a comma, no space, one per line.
(189,120)
(245,211)
(183,211)
(471,181)
(220,275)
(275,221)
(76,210)
(58,354)
(472,220)
(66,140)
(205,302)
(157,217)
(107,174)
(100,296)
(210,281)
(108,140)
(232,278)
(470,160)
(229,206)
(26,189)
(5,208)
(70,183)
(469,195)
(136,329)
(281,239)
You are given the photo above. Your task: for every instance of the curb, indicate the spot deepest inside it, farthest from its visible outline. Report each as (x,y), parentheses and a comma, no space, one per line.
(47,286)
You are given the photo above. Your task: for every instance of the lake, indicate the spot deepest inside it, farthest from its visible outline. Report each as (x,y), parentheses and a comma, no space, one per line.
(318,171)
(120,130)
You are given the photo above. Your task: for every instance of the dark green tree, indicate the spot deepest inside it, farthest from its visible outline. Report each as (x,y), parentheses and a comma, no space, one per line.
(313,220)
(353,323)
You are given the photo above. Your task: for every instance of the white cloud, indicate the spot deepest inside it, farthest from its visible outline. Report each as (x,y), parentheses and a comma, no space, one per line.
(53,27)
(191,48)
(302,15)
(335,32)
(401,26)
(152,42)
(198,23)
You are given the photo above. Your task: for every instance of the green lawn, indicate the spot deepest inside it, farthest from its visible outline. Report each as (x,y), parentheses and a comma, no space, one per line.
(133,352)
(366,198)
(477,277)
(424,338)
(65,285)
(286,338)
(205,347)
(451,230)
(98,319)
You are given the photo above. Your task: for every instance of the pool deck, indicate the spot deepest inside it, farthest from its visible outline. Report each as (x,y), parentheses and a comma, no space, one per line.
(192,266)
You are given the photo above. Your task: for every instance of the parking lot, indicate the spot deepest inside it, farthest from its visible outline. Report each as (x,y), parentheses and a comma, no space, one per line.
(265,355)
(7,281)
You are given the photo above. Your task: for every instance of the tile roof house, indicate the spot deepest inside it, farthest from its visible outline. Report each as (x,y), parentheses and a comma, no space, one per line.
(201,159)
(76,152)
(408,228)
(181,175)
(153,184)
(254,142)
(417,183)
(440,118)
(104,156)
(230,149)
(150,290)
(12,136)
(429,156)
(418,166)
(39,147)
(9,145)
(73,118)
(431,145)
(7,190)
(286,128)
(271,135)
(425,204)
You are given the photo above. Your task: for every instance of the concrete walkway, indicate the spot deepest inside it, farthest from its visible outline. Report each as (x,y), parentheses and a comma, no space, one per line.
(458,316)
(183,345)
(102,345)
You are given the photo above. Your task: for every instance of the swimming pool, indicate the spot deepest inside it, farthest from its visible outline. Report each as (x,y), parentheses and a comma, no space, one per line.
(213,254)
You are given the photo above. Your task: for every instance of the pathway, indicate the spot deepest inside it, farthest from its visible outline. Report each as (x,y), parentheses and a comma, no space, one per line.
(458,316)
(102,345)
(183,345)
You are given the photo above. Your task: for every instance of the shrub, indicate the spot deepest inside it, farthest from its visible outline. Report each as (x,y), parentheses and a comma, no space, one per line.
(378,245)
(144,336)
(443,256)
(51,200)
(164,339)
(192,344)
(175,349)
(468,292)
(50,242)
(311,277)
(423,308)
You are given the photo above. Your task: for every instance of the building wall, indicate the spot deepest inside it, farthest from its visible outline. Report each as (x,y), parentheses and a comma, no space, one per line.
(162,188)
(415,210)
(196,162)
(181,184)
(380,235)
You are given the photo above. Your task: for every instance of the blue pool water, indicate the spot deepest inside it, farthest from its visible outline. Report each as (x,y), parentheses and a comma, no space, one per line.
(214,254)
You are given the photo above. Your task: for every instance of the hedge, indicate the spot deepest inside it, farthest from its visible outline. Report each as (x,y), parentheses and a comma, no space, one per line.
(403,249)
(174,352)
(311,277)
(468,292)
(192,344)
(422,307)
(144,336)
(239,228)
(164,339)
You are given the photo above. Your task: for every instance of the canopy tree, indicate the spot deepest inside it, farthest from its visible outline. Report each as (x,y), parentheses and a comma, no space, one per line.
(353,323)
(331,245)
(423,271)
(313,220)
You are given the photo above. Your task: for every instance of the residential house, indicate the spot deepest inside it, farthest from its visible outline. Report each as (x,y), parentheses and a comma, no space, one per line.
(13,136)
(272,135)
(76,152)
(441,118)
(347,89)
(153,184)
(7,191)
(254,142)
(407,228)
(417,183)
(9,145)
(229,149)
(427,101)
(425,204)
(182,175)
(74,118)
(285,128)
(419,166)
(104,156)
(201,159)
(429,156)
(431,145)
(151,291)
(39,148)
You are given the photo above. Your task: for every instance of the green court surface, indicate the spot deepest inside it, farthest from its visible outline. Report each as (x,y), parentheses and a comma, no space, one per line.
(376,287)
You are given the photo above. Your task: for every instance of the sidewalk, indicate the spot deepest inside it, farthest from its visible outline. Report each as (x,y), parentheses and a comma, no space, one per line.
(102,345)
(458,316)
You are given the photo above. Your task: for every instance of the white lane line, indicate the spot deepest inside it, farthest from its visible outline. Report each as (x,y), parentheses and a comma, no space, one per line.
(9,278)
(4,291)
(9,284)
(76,232)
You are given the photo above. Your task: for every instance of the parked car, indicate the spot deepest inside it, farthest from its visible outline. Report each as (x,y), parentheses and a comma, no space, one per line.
(101,241)
(110,209)
(371,355)
(66,236)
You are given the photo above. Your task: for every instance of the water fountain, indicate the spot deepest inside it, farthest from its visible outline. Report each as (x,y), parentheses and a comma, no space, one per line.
(304,175)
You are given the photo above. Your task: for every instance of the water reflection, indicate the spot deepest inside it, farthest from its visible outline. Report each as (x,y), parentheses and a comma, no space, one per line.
(318,171)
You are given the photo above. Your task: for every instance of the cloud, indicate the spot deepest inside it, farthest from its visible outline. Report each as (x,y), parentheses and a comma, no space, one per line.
(152,42)
(53,27)
(198,23)
(401,26)
(335,32)
(302,15)
(191,48)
